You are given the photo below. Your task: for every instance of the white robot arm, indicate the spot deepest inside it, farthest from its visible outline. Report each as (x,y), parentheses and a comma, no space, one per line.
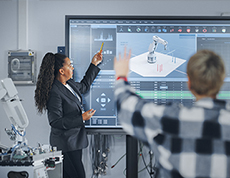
(33,161)
(12,104)
(153,46)
(17,116)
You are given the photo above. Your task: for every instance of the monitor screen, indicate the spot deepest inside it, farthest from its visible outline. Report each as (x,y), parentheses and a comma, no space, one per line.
(161,48)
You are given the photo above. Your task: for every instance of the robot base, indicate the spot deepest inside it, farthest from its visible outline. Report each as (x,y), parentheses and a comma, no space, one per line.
(152,59)
(44,165)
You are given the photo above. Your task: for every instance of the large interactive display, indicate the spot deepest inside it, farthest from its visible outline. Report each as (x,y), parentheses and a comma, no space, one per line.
(161,48)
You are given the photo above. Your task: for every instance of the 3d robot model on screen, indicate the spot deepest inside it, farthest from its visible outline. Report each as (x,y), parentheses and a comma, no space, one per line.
(152,47)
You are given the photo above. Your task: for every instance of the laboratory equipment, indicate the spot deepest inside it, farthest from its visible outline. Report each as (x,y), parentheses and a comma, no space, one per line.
(22,160)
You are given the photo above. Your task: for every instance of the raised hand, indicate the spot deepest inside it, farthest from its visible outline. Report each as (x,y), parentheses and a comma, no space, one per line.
(97,58)
(121,66)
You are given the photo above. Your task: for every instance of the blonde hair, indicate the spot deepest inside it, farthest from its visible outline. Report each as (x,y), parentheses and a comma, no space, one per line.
(206,72)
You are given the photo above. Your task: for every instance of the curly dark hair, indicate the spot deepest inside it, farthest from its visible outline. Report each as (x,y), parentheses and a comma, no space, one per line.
(49,69)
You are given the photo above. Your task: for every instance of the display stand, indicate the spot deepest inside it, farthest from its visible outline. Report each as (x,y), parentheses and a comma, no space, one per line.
(131,149)
(131,157)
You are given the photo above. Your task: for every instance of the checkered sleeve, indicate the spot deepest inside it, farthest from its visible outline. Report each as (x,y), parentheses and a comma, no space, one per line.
(188,122)
(138,116)
(190,141)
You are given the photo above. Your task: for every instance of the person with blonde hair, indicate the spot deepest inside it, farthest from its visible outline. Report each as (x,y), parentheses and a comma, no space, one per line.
(187,141)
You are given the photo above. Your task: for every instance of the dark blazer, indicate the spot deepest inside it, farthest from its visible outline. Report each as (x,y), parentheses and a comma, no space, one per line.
(65,114)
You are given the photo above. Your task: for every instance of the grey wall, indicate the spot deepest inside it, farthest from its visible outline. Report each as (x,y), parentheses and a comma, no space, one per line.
(46,30)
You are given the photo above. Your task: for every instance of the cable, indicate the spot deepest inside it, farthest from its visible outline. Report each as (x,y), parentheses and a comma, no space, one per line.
(124,172)
(152,170)
(118,160)
(139,154)
(143,169)
(152,167)
(141,146)
(16,131)
(100,149)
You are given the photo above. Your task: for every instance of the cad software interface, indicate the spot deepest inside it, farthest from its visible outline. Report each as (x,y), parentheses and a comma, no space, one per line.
(160,52)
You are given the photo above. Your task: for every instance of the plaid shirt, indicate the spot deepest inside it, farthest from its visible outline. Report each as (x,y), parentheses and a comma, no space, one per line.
(187,141)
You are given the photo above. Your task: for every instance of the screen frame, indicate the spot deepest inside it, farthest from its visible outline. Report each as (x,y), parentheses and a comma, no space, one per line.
(207,19)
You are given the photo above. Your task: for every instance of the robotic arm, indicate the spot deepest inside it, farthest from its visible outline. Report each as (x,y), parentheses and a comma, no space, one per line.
(20,153)
(153,46)
(12,105)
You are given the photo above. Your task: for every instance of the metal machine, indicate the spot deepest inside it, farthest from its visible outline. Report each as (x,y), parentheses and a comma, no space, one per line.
(153,46)
(21,160)
(22,67)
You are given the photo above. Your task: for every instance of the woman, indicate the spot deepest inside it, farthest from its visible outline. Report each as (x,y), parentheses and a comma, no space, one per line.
(60,95)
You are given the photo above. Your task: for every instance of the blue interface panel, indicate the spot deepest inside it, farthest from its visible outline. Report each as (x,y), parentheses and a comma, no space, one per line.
(161,48)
